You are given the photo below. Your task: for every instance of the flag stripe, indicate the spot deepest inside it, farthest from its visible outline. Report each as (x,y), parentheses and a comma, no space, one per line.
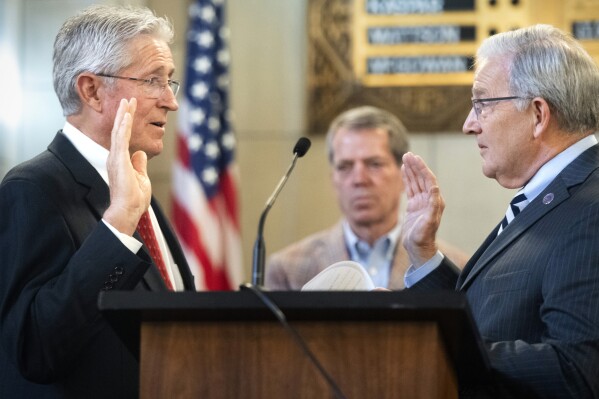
(182,151)
(229,195)
(205,210)
(215,278)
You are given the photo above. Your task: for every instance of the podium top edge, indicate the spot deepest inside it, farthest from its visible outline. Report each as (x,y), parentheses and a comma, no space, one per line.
(315,300)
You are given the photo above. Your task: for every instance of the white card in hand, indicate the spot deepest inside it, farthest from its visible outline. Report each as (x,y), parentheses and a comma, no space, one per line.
(341,276)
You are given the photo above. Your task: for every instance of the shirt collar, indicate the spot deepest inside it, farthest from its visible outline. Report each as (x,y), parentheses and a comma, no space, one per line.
(93,152)
(554,166)
(351,239)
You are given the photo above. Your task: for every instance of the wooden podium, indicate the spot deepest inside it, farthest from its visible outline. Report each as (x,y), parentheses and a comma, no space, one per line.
(229,344)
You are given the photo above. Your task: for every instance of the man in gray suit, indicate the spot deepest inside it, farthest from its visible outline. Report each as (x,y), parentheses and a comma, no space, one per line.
(533,285)
(365,146)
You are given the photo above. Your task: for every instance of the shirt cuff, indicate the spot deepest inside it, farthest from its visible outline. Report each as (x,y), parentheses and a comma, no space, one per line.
(414,275)
(131,243)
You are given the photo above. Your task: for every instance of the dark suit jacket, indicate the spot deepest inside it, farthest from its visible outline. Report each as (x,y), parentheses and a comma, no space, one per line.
(534,289)
(55,257)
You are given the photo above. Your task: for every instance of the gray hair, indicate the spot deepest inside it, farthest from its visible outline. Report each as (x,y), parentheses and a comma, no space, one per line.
(97,40)
(548,63)
(368,117)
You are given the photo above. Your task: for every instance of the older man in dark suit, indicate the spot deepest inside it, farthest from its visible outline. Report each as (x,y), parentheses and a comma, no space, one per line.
(533,285)
(79,218)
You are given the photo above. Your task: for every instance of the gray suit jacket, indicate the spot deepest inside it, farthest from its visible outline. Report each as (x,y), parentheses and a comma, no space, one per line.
(295,265)
(534,289)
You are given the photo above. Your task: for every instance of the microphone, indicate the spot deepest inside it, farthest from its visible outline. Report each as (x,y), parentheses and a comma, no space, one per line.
(301,148)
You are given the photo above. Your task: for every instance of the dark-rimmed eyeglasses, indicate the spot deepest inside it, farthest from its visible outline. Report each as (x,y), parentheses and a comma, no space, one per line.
(479,103)
(153,87)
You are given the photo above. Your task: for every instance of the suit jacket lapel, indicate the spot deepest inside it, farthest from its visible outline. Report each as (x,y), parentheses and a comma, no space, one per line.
(466,272)
(572,175)
(335,247)
(98,196)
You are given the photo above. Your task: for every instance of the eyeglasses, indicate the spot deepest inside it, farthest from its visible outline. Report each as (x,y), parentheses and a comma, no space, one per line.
(479,103)
(153,87)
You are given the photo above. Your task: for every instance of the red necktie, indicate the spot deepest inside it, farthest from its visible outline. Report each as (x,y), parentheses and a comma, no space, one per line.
(146,231)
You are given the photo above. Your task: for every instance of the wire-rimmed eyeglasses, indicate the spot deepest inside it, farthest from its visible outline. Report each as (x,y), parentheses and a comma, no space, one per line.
(153,87)
(479,103)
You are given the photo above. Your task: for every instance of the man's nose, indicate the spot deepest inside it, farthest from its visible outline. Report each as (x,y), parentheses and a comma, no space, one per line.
(168,100)
(471,124)
(360,174)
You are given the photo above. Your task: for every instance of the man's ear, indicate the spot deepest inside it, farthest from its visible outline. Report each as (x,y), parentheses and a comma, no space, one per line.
(542,115)
(88,87)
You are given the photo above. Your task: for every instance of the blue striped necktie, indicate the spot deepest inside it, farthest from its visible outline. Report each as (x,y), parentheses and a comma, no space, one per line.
(517,204)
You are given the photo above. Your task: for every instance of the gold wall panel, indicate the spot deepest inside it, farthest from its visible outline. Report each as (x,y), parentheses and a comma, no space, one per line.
(413,57)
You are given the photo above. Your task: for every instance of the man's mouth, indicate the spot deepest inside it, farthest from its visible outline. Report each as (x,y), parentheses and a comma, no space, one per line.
(362,199)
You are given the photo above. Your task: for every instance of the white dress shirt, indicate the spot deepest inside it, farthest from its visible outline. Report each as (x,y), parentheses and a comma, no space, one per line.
(376,259)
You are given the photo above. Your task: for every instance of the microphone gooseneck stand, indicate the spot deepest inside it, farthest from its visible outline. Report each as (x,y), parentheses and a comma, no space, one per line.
(300,149)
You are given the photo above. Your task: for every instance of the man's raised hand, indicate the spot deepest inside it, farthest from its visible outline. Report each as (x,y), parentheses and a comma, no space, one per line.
(130,187)
(424,209)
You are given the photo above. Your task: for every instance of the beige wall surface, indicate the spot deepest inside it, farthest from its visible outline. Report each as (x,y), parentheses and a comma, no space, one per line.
(268,92)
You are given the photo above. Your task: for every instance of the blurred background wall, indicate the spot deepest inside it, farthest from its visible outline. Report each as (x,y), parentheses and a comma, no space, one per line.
(268,98)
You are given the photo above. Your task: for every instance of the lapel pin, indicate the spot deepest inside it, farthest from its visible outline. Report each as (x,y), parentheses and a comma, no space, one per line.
(548,198)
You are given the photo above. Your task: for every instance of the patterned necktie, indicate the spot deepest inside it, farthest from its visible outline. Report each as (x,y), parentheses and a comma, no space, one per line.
(146,231)
(517,204)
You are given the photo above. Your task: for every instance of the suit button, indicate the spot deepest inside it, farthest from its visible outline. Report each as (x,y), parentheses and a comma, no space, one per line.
(118,270)
(113,278)
(107,285)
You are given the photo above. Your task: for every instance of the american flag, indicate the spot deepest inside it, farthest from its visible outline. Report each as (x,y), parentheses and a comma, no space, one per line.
(205,210)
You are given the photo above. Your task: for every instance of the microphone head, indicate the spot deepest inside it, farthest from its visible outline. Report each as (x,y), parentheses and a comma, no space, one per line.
(302,146)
